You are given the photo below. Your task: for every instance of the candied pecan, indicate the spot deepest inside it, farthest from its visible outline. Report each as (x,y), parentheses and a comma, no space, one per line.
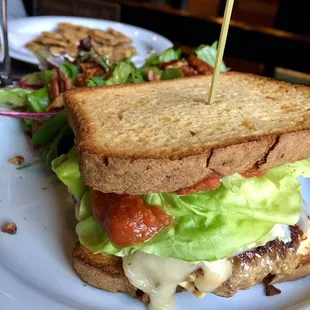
(151,76)
(174,64)
(9,228)
(17,160)
(272,290)
(53,88)
(89,70)
(56,105)
(199,65)
(60,83)
(188,71)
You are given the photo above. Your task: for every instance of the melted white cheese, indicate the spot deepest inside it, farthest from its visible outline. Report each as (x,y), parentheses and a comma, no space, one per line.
(159,276)
(279,231)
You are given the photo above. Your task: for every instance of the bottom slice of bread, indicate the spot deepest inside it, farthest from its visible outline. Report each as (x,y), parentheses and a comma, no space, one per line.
(104,271)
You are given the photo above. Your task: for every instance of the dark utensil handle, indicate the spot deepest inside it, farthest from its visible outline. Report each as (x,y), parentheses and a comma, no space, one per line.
(5,62)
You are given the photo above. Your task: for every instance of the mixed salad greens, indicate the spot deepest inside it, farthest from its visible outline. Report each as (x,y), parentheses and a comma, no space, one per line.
(37,97)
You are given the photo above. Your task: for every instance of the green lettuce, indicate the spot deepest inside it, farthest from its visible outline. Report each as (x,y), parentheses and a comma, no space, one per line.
(95,81)
(16,97)
(39,100)
(71,70)
(36,79)
(67,169)
(208,53)
(125,72)
(208,225)
(171,74)
(91,55)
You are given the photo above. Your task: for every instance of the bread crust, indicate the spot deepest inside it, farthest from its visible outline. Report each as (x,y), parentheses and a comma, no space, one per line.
(112,170)
(102,271)
(141,176)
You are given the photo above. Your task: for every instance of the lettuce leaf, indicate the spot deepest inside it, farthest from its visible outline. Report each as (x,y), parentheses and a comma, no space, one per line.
(17,97)
(67,169)
(36,80)
(171,73)
(125,72)
(70,70)
(39,100)
(208,53)
(208,225)
(170,54)
(95,81)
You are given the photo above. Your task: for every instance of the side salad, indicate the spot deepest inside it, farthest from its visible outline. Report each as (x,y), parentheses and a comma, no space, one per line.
(37,98)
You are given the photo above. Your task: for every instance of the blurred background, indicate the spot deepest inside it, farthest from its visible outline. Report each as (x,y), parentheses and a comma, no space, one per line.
(267,37)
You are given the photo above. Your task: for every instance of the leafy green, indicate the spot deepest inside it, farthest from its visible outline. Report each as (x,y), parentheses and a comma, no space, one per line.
(50,129)
(136,76)
(17,97)
(170,55)
(207,53)
(154,60)
(52,150)
(38,100)
(54,136)
(71,70)
(47,76)
(67,168)
(26,124)
(166,56)
(171,74)
(36,79)
(95,81)
(124,72)
(208,225)
(93,56)
(144,70)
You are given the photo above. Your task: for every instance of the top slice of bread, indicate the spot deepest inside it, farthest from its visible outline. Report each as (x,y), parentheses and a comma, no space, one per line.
(156,137)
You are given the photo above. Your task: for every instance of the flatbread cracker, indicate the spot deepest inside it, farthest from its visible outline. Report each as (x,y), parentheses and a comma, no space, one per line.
(34,46)
(55,50)
(66,40)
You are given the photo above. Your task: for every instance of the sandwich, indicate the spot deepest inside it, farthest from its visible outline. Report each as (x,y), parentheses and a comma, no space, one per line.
(175,194)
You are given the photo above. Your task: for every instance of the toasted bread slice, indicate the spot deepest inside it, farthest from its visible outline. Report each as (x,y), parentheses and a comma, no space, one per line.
(157,137)
(104,271)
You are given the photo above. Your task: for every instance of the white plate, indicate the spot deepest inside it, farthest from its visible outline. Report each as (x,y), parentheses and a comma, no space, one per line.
(35,264)
(23,30)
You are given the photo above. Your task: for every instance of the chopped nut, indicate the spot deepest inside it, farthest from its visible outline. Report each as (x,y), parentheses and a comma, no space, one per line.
(9,228)
(272,290)
(17,160)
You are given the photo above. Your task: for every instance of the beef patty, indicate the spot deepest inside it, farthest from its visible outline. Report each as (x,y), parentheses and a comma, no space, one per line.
(252,267)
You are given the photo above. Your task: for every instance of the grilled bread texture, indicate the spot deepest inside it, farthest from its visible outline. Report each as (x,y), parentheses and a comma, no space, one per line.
(161,137)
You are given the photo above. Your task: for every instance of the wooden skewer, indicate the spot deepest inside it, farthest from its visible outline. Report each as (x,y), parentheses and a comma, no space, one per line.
(220,50)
